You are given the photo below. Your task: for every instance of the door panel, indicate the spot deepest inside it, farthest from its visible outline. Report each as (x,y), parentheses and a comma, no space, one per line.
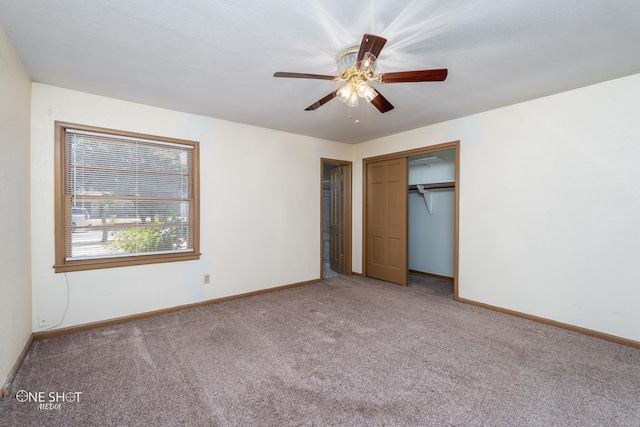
(336,228)
(395,253)
(377,255)
(387,189)
(377,209)
(394,209)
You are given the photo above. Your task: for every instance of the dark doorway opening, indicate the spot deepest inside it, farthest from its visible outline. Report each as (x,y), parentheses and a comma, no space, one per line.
(335,218)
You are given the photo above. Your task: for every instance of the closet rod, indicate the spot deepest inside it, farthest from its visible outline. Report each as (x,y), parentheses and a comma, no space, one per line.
(436,186)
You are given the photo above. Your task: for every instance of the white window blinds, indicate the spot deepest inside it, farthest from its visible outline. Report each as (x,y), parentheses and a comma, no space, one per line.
(126,196)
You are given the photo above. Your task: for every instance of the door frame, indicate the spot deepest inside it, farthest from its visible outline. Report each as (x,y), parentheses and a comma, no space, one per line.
(456,229)
(347,201)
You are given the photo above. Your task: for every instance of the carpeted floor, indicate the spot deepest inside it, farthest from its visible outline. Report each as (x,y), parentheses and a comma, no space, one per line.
(347,351)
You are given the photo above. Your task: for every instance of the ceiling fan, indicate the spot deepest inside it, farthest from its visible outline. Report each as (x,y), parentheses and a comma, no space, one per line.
(357,65)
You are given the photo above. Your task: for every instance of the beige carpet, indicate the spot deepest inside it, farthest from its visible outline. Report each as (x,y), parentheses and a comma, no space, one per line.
(346,351)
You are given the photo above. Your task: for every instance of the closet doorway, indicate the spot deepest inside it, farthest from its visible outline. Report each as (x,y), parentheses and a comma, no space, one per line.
(390,204)
(335,218)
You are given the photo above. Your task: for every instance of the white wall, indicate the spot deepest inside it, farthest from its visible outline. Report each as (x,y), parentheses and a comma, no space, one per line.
(15,273)
(549,205)
(260,211)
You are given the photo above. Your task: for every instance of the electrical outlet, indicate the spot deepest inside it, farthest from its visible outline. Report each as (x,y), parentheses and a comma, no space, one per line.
(207,278)
(42,321)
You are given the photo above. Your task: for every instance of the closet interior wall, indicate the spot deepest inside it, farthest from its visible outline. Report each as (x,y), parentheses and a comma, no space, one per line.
(432,213)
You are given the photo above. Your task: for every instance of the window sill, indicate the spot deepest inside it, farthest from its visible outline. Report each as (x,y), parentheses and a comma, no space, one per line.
(123,262)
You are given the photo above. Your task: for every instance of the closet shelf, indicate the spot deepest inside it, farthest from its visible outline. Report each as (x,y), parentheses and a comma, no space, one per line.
(425,161)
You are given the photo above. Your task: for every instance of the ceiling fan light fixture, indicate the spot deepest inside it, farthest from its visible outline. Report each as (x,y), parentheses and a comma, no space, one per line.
(367,63)
(353,100)
(365,91)
(345,92)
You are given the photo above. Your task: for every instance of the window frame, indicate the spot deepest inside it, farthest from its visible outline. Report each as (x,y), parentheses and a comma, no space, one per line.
(62,235)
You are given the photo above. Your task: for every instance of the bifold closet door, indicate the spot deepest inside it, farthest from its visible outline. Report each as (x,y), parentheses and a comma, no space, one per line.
(386,220)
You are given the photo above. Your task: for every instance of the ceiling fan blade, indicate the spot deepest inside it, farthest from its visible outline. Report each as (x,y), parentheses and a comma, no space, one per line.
(321,102)
(304,76)
(381,103)
(414,76)
(372,44)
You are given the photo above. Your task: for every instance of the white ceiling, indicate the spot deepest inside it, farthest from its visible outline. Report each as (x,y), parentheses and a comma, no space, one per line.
(217,58)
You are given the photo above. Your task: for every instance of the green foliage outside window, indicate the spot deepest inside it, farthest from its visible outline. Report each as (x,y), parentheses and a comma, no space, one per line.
(149,238)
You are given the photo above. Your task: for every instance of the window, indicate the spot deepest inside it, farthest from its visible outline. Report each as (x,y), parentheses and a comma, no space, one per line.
(123,198)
